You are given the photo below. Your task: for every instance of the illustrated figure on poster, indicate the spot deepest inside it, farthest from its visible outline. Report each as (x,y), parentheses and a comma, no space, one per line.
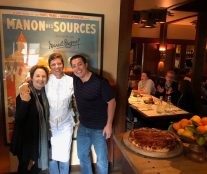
(11,106)
(16,70)
(16,63)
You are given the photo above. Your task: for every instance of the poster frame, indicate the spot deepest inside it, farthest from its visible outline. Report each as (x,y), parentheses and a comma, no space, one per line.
(3,103)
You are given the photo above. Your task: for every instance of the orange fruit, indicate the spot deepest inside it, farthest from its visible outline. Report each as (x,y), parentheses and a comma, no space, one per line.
(180,131)
(185,122)
(176,126)
(199,123)
(204,120)
(201,129)
(187,133)
(197,120)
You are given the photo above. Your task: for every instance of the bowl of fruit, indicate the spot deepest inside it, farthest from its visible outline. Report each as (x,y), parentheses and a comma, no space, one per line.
(193,130)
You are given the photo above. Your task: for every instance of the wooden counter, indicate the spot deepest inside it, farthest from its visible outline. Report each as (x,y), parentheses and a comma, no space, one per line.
(138,164)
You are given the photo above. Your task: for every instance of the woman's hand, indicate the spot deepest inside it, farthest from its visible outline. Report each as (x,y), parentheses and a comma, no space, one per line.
(160,89)
(25,97)
(169,91)
(24,92)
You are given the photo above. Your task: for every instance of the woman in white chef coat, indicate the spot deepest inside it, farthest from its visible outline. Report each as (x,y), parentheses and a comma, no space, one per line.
(59,91)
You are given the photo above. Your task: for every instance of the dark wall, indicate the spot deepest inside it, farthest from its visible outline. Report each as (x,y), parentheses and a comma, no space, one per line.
(151,56)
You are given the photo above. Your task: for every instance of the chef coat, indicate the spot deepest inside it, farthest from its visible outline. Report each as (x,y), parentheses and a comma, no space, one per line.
(59,93)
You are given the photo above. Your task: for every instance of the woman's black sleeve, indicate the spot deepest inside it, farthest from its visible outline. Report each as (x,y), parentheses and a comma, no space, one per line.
(21,108)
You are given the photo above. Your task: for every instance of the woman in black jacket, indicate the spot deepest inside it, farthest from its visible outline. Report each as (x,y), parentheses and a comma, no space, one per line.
(30,138)
(168,87)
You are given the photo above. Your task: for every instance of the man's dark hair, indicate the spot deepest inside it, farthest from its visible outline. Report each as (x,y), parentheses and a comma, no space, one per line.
(78,56)
(55,56)
(34,68)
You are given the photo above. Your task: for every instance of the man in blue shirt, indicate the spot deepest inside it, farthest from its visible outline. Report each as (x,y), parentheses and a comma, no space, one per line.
(96,105)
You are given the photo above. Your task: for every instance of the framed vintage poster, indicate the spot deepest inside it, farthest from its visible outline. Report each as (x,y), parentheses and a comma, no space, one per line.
(29,36)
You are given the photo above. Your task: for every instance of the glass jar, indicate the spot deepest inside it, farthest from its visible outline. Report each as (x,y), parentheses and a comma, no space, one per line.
(160,108)
(196,153)
(168,107)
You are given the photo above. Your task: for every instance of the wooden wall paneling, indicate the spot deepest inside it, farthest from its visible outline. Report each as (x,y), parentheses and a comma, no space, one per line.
(145,40)
(183,55)
(126,12)
(157,40)
(170,57)
(139,53)
(205,65)
(151,58)
(198,61)
(181,41)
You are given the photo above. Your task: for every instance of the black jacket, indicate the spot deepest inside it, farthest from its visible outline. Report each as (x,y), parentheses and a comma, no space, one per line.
(174,95)
(25,139)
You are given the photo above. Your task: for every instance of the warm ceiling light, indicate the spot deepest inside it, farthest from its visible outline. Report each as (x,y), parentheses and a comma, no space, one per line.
(161,65)
(162,48)
(162,22)
(149,17)
(144,16)
(149,24)
(135,21)
(136,18)
(161,15)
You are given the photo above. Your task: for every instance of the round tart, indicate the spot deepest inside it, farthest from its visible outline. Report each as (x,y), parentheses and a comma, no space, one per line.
(153,142)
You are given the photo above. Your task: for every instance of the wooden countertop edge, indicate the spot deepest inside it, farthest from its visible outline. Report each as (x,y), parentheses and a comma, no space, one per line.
(187,167)
(119,144)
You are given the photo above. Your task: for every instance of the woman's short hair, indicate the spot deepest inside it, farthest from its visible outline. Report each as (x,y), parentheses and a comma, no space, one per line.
(55,56)
(171,72)
(78,56)
(148,74)
(34,68)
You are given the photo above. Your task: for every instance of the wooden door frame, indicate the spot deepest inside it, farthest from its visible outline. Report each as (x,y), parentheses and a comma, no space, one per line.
(125,27)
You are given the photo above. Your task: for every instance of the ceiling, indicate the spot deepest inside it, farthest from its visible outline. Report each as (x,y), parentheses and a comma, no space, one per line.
(175,17)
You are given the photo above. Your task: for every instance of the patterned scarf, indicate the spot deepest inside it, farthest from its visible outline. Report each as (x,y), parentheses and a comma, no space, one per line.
(43,110)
